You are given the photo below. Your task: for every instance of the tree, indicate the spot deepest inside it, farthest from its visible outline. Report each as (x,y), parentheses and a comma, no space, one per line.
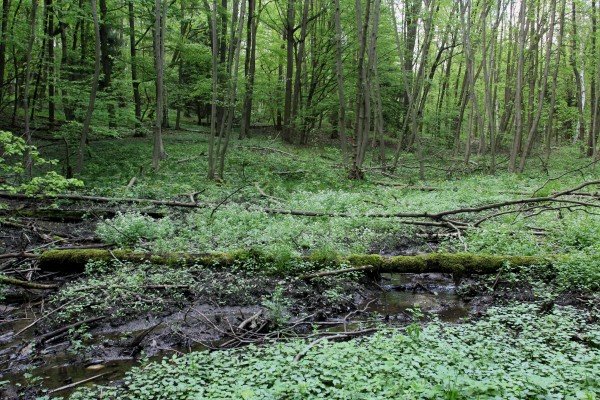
(95,81)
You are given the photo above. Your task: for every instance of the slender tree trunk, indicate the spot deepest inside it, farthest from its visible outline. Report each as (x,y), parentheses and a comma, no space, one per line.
(550,126)
(250,68)
(339,71)
(158,153)
(51,67)
(3,32)
(580,131)
(236,44)
(28,162)
(214,80)
(288,131)
(595,87)
(137,98)
(95,82)
(518,135)
(107,62)
(542,90)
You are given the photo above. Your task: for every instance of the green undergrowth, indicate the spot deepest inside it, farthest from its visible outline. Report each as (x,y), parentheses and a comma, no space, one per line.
(312,178)
(121,290)
(512,353)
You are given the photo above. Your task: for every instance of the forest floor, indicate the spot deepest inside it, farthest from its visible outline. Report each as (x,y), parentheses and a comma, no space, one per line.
(256,329)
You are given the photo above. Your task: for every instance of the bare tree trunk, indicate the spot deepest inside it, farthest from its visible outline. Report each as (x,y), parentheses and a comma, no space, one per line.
(361,90)
(51,67)
(288,131)
(95,81)
(595,87)
(159,48)
(298,81)
(137,99)
(518,135)
(550,126)
(107,61)
(542,90)
(580,131)
(3,31)
(339,71)
(28,163)
(232,97)
(253,20)
(214,80)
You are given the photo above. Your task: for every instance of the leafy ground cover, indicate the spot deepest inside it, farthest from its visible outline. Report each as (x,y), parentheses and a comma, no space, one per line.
(513,353)
(531,332)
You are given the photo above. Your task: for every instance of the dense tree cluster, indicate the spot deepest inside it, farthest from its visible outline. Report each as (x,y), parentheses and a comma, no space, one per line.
(502,78)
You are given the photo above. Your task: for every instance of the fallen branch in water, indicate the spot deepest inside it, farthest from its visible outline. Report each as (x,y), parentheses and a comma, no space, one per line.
(321,274)
(75,384)
(50,335)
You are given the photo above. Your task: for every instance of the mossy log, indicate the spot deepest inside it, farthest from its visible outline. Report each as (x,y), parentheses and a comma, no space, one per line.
(454,263)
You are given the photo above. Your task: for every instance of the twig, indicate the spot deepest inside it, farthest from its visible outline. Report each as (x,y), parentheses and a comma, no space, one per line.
(5,280)
(75,384)
(345,335)
(336,272)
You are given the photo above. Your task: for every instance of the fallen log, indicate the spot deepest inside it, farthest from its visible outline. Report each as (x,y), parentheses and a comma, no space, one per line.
(455,263)
(5,280)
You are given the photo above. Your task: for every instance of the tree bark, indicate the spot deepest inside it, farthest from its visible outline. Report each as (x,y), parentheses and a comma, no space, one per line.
(250,67)
(137,99)
(3,33)
(518,135)
(541,91)
(160,9)
(288,130)
(28,162)
(95,81)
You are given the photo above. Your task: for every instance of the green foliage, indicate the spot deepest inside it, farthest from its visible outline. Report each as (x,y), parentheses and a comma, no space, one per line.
(537,359)
(13,149)
(132,229)
(277,305)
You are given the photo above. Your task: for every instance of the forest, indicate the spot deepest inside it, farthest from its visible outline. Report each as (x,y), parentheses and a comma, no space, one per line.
(300,199)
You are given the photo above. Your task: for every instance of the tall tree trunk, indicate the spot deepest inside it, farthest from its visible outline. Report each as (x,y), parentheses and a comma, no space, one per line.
(362,91)
(298,81)
(214,81)
(95,82)
(232,97)
(28,162)
(160,8)
(107,61)
(250,68)
(595,87)
(542,90)
(51,67)
(288,130)
(339,71)
(137,98)
(550,126)
(518,135)
(3,32)
(580,131)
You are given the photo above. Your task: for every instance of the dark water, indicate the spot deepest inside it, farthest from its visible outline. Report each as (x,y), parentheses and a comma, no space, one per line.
(433,294)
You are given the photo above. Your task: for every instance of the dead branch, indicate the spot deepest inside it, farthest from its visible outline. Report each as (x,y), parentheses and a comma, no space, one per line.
(322,274)
(345,335)
(5,280)
(75,384)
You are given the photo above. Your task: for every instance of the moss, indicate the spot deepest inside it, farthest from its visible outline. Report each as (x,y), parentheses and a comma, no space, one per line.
(454,263)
